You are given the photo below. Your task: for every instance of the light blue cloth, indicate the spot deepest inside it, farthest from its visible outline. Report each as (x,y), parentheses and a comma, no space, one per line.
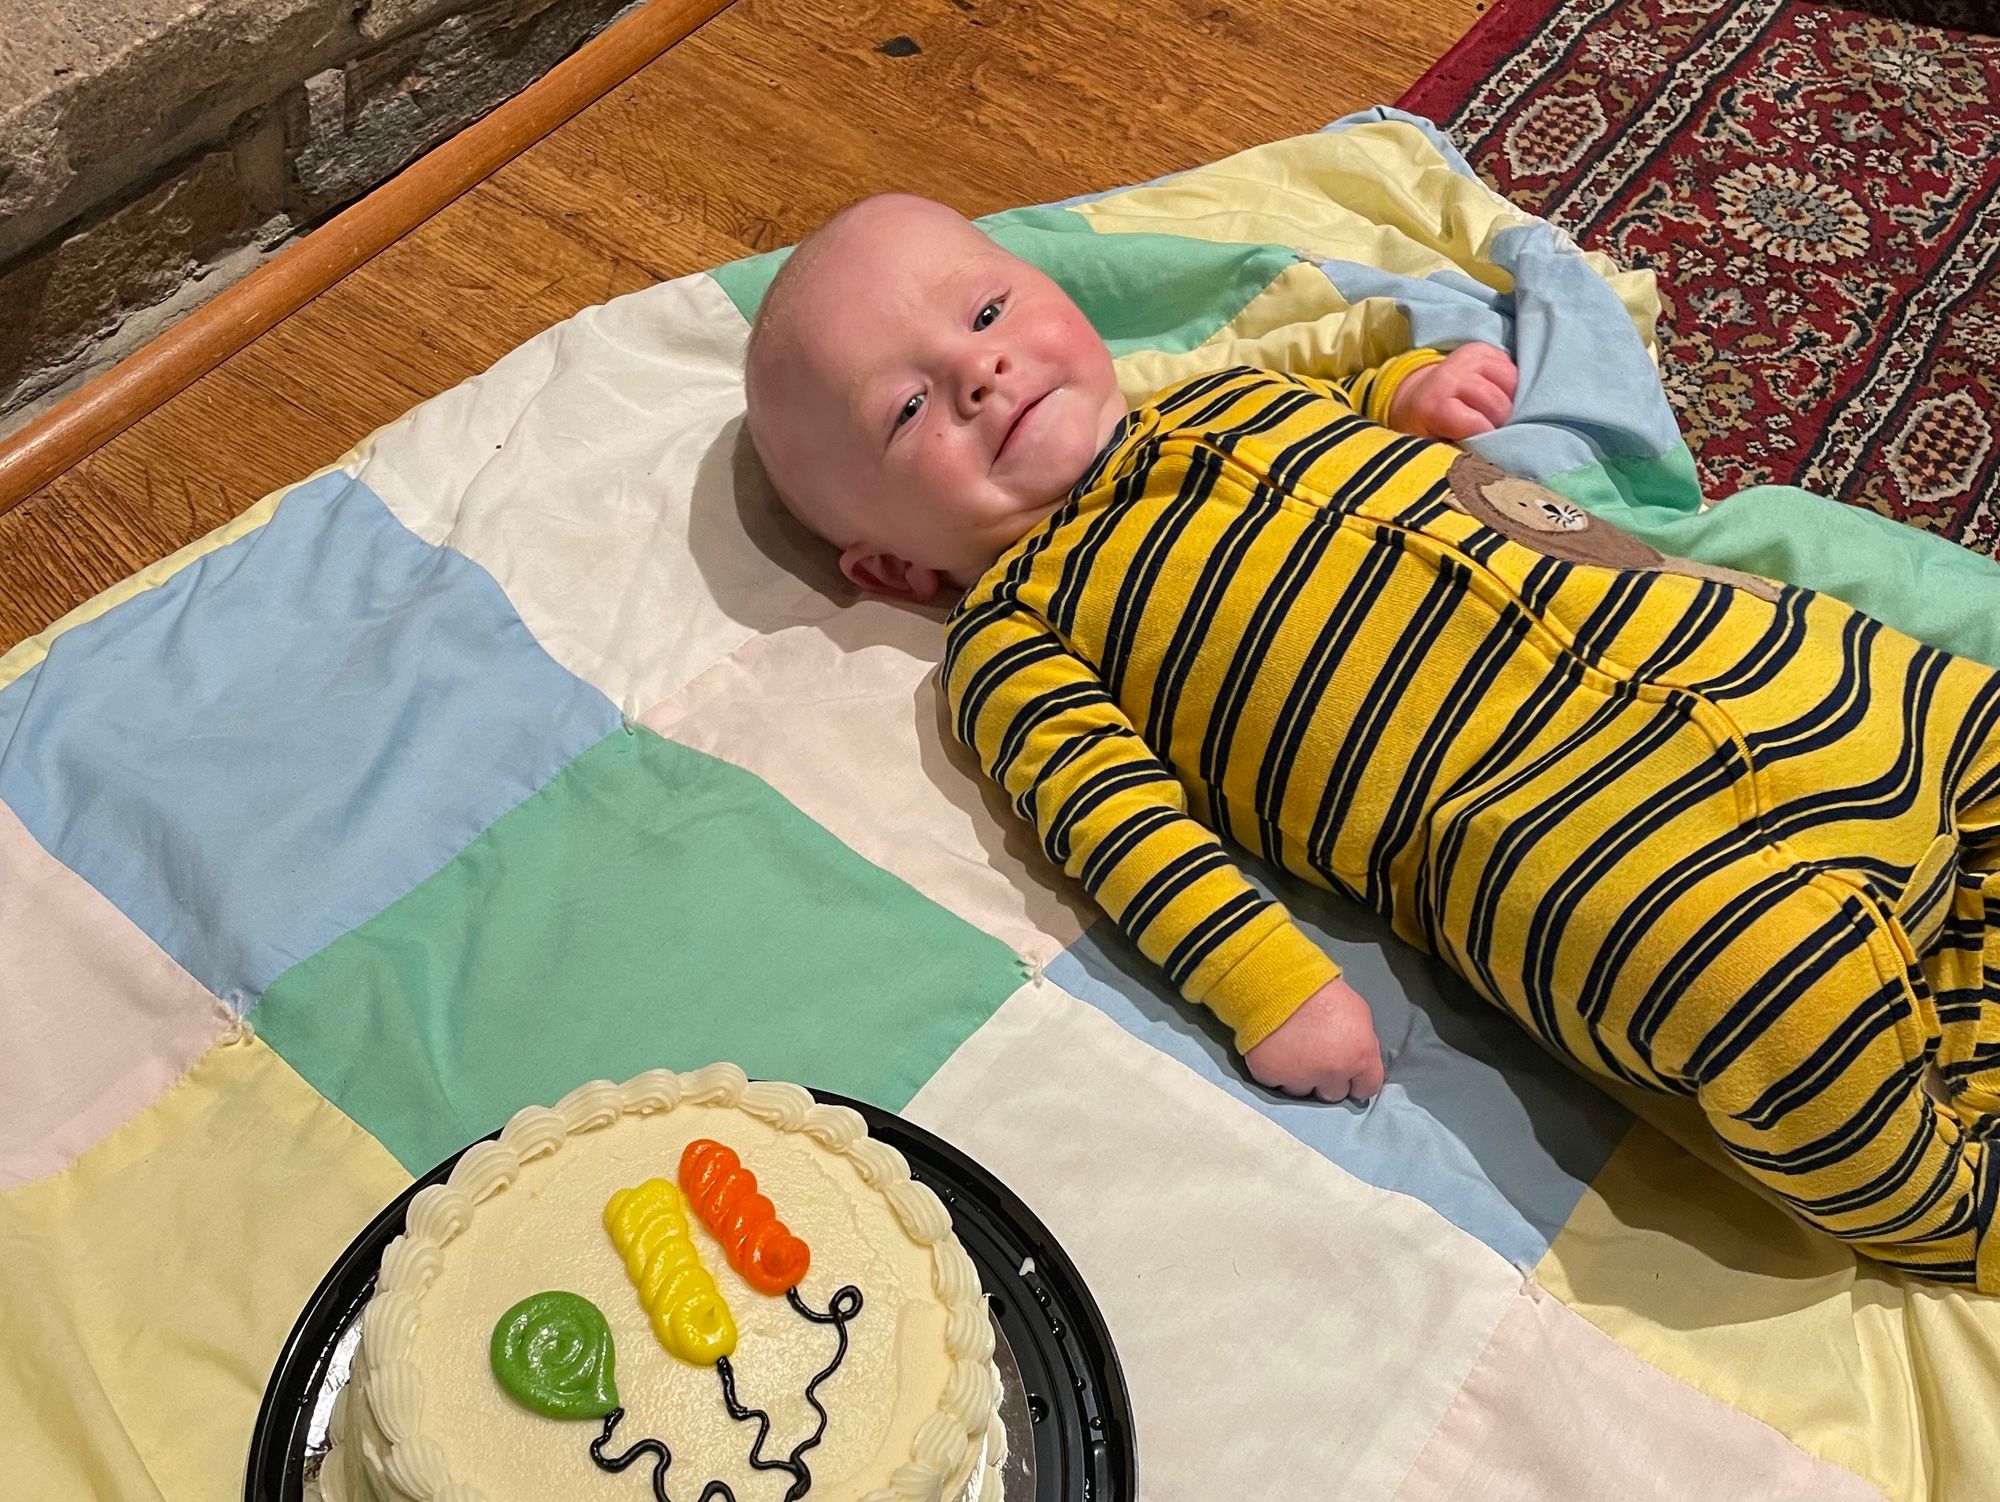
(386,697)
(1586,390)
(1476,1121)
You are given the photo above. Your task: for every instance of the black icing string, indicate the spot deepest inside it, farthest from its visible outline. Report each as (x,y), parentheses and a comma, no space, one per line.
(840,1309)
(664,1457)
(843,1306)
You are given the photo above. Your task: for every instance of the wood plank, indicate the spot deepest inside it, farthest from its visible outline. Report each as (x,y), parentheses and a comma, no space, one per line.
(389,308)
(1006,103)
(739,138)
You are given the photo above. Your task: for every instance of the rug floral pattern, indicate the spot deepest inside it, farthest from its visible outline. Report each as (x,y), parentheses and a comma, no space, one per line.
(1819,192)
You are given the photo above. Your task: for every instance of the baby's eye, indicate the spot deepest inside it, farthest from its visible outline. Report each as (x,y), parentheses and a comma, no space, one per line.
(910,409)
(988,313)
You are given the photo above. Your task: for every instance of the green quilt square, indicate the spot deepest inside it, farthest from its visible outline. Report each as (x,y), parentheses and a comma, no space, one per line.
(651,906)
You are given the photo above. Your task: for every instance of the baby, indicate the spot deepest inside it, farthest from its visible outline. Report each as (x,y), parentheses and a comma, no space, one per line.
(1701,834)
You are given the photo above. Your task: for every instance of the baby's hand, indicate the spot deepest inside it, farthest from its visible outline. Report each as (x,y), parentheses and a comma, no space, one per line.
(1326,1048)
(1470,391)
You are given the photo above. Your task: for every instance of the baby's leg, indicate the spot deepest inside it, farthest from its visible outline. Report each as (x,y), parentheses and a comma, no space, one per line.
(1828,1107)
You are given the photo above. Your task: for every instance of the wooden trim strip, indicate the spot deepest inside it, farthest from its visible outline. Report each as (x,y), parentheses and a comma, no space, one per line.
(98,411)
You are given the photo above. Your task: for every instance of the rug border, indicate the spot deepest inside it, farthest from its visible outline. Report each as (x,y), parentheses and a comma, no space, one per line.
(1499,33)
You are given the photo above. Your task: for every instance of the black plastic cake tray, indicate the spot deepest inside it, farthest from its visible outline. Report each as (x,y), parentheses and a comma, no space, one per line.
(1068,1416)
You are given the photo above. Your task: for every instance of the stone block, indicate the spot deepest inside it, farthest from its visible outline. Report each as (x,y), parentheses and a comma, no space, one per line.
(363,122)
(145,144)
(381,20)
(70,292)
(95,98)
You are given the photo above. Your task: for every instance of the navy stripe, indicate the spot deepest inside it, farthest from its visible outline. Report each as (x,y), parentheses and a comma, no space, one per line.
(1079,566)
(1823,1067)
(1329,649)
(1833,715)
(1198,620)
(1453,720)
(1034,715)
(1121,842)
(1091,794)
(1168,883)
(1711,607)
(1300,567)
(1410,654)
(1211,934)
(1887,796)
(1783,638)
(1612,614)
(1135,591)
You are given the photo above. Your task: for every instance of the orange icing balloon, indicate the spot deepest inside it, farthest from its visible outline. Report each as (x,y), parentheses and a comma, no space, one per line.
(724,1194)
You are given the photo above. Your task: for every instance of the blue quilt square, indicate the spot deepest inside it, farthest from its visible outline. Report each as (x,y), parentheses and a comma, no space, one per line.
(1477,1120)
(287,735)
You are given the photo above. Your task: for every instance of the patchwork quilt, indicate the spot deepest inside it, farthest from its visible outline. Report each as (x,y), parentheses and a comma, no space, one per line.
(531,743)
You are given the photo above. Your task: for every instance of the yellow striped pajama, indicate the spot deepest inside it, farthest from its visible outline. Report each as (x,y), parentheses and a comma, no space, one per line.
(1700,833)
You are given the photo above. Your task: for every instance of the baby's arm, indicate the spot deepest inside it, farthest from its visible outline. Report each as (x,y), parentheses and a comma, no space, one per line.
(1113,816)
(1431,395)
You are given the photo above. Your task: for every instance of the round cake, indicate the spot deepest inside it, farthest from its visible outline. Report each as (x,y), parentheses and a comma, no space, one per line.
(685,1286)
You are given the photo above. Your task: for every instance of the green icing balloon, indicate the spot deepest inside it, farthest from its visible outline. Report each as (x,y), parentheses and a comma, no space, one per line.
(553,1353)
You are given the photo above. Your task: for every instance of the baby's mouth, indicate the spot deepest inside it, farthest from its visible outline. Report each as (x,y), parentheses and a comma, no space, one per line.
(1020,416)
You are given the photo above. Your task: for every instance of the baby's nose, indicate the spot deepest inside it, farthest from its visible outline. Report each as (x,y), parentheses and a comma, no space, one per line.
(985,373)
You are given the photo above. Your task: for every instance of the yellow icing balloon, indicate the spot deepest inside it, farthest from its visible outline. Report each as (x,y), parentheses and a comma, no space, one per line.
(649,1226)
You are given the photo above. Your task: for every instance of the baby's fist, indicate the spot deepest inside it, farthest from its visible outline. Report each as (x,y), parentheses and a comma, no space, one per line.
(1326,1048)
(1470,391)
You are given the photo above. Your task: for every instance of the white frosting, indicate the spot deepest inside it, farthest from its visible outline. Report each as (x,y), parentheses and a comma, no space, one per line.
(389,1448)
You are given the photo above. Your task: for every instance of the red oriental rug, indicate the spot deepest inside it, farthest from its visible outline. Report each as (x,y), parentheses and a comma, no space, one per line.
(1818,190)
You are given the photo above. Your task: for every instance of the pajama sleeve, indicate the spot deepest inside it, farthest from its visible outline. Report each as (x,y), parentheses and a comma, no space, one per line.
(1114,817)
(1369,392)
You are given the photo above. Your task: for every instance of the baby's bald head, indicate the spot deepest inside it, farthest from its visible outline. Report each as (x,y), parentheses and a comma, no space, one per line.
(919,397)
(783,378)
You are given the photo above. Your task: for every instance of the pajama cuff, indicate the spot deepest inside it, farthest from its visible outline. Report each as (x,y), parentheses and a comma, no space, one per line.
(1269,983)
(1389,377)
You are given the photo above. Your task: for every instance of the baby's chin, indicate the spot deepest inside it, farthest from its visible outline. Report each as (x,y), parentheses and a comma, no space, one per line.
(1056,451)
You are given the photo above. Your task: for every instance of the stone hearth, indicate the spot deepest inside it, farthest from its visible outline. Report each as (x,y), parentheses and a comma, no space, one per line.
(152,151)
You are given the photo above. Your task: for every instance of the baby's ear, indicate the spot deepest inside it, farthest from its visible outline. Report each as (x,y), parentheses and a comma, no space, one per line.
(886,574)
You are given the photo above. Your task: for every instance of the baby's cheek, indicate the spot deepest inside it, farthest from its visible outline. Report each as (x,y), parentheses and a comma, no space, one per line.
(946,469)
(1084,338)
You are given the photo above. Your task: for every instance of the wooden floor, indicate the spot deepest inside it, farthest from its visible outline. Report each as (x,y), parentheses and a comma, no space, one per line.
(738,139)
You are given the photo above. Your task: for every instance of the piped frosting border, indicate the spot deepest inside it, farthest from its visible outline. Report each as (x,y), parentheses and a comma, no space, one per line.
(393,1391)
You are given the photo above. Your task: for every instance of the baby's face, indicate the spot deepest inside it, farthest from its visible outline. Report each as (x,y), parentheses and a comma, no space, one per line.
(944,396)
